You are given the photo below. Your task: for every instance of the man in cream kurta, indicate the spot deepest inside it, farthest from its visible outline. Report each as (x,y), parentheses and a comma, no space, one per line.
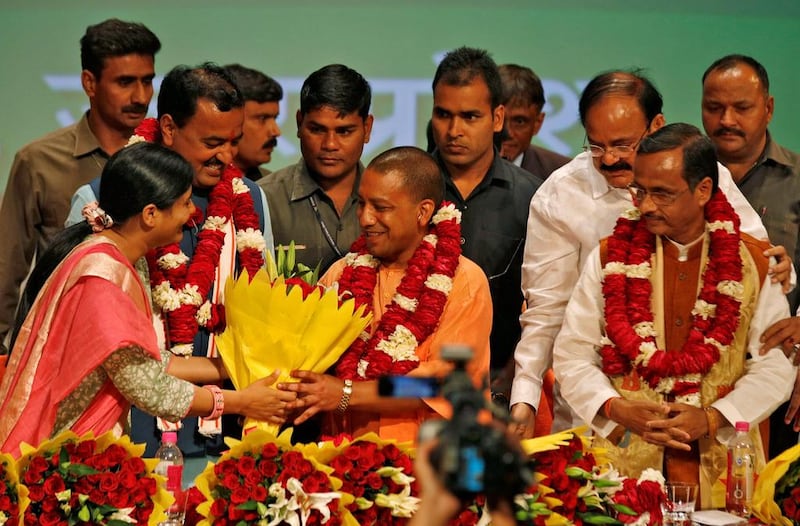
(741,386)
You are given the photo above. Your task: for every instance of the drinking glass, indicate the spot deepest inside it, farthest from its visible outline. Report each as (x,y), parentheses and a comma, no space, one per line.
(679,505)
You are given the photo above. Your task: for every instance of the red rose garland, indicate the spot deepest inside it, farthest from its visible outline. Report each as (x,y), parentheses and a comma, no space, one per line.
(416,306)
(180,287)
(629,319)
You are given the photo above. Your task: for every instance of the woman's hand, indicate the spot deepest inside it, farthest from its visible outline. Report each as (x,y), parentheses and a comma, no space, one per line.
(261,401)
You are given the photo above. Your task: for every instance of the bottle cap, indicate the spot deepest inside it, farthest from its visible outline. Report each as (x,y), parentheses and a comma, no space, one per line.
(743,426)
(171,437)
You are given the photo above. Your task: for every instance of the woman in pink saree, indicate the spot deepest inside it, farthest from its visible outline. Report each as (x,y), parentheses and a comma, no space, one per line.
(87,347)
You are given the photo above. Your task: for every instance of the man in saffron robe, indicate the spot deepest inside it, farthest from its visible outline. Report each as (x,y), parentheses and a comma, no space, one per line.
(407,268)
(662,383)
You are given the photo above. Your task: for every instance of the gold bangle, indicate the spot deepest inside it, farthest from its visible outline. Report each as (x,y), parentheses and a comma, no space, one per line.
(347,390)
(712,421)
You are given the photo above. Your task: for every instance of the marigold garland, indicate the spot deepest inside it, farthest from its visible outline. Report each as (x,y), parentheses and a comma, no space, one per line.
(629,319)
(416,306)
(181,286)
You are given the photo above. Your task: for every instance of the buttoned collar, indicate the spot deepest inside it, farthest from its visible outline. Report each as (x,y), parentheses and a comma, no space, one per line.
(304,185)
(774,152)
(85,141)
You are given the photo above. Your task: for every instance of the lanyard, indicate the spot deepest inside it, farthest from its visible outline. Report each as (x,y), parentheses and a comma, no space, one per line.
(325,231)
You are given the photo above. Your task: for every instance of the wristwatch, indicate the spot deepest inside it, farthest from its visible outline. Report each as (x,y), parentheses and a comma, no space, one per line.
(500,399)
(347,390)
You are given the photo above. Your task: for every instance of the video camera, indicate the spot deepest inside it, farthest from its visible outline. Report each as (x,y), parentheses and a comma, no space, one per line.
(471,458)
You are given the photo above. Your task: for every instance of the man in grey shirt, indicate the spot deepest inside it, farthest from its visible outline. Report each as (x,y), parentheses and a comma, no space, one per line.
(313,202)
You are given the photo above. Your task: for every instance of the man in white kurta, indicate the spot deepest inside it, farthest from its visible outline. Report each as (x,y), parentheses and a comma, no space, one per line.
(746,386)
(575,208)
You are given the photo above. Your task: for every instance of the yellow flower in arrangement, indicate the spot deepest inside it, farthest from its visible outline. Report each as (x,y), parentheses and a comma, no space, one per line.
(278,324)
(103,480)
(13,495)
(776,498)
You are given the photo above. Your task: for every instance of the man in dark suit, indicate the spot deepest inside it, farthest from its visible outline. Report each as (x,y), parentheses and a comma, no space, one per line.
(523,98)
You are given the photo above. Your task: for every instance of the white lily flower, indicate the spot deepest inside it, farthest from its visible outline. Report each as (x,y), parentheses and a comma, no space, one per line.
(123,515)
(303,503)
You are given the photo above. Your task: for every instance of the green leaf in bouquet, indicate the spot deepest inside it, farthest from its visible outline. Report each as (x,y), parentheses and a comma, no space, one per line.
(84,514)
(290,257)
(80,470)
(621,508)
(281,262)
(250,505)
(591,518)
(605,483)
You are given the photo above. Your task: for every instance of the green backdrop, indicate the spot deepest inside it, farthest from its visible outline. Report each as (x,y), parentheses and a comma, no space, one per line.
(395,45)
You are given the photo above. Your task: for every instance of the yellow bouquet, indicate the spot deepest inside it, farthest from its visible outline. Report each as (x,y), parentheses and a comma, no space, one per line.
(13,495)
(776,498)
(283,324)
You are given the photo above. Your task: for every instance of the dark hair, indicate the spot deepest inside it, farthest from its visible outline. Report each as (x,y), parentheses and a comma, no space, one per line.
(420,173)
(699,157)
(254,85)
(731,61)
(134,177)
(460,66)
(338,87)
(115,38)
(183,86)
(625,83)
(521,85)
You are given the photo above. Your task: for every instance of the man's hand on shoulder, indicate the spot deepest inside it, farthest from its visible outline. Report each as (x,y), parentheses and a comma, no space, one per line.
(786,335)
(780,272)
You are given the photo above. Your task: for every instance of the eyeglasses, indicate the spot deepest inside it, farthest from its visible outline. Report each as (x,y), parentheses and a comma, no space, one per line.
(658,197)
(620,151)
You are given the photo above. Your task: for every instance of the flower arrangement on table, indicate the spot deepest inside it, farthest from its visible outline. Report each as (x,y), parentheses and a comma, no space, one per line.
(13,496)
(278,320)
(73,480)
(263,479)
(776,498)
(574,485)
(377,473)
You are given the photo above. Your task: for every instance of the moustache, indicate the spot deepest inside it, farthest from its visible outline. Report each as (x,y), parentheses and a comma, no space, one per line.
(135,108)
(272,143)
(616,167)
(731,131)
(213,163)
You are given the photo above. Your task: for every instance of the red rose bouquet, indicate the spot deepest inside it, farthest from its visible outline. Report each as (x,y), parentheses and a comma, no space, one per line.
(73,480)
(573,485)
(264,480)
(13,496)
(377,473)
(776,498)
(639,501)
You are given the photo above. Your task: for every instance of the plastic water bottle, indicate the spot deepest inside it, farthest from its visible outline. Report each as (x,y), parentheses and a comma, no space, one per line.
(170,466)
(741,453)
